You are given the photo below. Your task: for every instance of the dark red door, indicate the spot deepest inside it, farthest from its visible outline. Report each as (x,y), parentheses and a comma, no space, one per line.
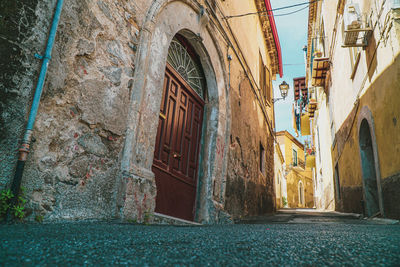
(176,154)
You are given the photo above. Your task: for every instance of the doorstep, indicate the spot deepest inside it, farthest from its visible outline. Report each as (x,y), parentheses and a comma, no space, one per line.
(169,220)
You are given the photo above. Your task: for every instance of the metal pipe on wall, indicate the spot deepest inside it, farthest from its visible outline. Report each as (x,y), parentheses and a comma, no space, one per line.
(24,149)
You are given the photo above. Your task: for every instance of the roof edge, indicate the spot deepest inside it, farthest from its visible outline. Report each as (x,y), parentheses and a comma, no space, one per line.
(275,34)
(291,137)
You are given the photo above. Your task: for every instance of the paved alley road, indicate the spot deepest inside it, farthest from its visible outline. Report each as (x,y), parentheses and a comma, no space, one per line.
(327,242)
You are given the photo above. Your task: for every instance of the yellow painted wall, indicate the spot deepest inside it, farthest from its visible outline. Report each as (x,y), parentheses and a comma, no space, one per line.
(382,99)
(251,41)
(249,180)
(296,174)
(289,146)
(360,80)
(293,179)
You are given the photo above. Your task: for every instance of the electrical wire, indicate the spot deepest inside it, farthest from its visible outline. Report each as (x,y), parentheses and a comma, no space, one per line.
(290,13)
(244,65)
(274,9)
(293,64)
(284,14)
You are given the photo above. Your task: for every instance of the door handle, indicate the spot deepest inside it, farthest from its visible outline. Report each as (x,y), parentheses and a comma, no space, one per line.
(176,155)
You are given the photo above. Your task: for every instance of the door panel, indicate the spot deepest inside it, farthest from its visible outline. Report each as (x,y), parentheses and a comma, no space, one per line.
(176,154)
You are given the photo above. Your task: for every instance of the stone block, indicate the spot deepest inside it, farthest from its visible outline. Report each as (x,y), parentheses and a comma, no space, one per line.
(105,9)
(103,105)
(351,200)
(139,199)
(114,48)
(79,167)
(92,144)
(62,175)
(113,74)
(85,47)
(391,196)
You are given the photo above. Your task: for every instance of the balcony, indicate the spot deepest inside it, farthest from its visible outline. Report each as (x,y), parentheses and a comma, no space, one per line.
(320,68)
(299,165)
(357,27)
(312,106)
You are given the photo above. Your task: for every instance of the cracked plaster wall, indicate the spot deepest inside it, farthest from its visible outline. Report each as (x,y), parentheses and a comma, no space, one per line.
(23,31)
(248,191)
(80,125)
(95,112)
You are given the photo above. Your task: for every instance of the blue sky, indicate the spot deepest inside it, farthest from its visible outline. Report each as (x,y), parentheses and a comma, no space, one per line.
(292,31)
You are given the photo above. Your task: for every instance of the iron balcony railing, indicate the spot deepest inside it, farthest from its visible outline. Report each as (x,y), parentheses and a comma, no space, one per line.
(299,163)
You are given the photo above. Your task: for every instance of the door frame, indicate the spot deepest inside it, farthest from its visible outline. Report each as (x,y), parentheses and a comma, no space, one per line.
(159,27)
(156,164)
(366,114)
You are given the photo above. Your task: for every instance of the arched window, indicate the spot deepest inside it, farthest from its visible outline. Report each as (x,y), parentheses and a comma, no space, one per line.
(181,58)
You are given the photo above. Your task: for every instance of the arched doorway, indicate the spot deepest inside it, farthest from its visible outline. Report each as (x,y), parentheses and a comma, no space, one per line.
(370,183)
(177,148)
(137,188)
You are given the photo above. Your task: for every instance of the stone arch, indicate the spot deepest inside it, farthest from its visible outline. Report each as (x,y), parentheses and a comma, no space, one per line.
(160,26)
(369,159)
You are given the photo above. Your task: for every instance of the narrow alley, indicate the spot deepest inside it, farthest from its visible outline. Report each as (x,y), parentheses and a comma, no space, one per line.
(200,132)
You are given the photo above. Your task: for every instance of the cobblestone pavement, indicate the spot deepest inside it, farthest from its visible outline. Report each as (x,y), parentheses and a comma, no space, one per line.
(311,243)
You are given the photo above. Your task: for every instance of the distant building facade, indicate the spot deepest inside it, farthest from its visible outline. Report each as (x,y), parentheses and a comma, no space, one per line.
(149,107)
(353,70)
(299,180)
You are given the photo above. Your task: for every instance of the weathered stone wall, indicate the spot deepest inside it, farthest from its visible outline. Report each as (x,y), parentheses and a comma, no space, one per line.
(97,119)
(391,196)
(80,126)
(248,191)
(23,32)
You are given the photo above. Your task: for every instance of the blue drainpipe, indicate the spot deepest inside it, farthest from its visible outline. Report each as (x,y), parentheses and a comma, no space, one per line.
(24,149)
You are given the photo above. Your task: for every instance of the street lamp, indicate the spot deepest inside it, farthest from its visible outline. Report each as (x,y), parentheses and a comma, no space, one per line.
(284,88)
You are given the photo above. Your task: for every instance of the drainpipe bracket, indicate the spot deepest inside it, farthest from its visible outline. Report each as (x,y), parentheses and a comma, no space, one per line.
(25,146)
(23,152)
(42,57)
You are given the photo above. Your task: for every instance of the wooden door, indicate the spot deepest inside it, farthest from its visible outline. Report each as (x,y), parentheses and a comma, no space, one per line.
(176,154)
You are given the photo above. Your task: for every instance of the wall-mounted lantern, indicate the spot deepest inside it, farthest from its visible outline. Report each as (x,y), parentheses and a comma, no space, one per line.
(284,88)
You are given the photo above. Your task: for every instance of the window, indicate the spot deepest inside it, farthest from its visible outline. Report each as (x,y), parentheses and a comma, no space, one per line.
(294,157)
(337,181)
(181,59)
(262,159)
(354,53)
(265,89)
(267,84)
(354,59)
